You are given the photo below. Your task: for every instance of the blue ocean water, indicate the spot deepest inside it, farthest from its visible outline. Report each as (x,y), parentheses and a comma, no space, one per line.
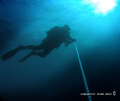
(57,77)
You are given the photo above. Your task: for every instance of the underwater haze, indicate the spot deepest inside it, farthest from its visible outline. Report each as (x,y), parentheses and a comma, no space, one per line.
(58,77)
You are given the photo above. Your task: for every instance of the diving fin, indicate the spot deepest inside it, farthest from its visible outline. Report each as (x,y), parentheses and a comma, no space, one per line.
(11,53)
(8,55)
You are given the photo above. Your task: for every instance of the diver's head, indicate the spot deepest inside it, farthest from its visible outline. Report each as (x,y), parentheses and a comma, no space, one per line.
(66,27)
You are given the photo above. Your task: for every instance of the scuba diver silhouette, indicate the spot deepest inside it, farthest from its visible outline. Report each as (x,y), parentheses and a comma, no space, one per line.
(55,37)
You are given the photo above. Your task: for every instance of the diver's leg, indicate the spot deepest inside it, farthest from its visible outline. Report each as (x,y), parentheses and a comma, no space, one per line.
(39,47)
(41,54)
(23,59)
(19,48)
(44,53)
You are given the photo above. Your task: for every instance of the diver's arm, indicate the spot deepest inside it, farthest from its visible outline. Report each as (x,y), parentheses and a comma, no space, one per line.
(69,41)
(66,42)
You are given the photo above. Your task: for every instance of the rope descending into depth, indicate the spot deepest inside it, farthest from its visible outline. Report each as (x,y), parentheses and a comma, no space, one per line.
(83,75)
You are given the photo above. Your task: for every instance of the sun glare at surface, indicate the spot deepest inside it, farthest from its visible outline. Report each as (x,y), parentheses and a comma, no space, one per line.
(101,6)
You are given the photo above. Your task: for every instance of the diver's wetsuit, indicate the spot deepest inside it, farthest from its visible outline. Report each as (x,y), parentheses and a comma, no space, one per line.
(55,37)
